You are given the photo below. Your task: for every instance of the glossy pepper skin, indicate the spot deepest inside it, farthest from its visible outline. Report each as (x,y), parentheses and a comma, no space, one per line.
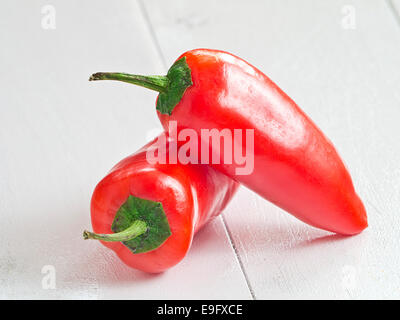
(295,165)
(190,195)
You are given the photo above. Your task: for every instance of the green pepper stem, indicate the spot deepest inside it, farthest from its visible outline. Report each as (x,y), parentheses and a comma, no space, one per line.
(137,228)
(156,83)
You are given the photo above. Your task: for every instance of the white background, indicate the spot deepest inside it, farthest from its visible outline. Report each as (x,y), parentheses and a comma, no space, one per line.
(60,134)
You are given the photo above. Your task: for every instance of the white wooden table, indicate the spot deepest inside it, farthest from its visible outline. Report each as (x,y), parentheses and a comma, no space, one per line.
(60,134)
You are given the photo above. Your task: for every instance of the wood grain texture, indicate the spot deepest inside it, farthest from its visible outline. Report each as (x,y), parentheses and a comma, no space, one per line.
(60,134)
(348,81)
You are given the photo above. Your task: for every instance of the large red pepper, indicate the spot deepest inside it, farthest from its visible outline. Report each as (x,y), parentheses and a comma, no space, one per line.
(149,213)
(295,164)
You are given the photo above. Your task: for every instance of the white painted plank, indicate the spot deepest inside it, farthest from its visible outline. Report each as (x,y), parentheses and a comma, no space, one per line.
(60,134)
(347,80)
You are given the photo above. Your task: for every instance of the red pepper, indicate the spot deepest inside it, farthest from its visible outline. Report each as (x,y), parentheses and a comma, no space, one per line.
(149,213)
(295,165)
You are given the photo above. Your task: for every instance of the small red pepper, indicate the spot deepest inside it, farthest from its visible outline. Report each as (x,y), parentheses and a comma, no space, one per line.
(295,165)
(149,213)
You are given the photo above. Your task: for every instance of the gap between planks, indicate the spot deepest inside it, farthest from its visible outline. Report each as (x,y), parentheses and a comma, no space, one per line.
(392,8)
(152,33)
(227,230)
